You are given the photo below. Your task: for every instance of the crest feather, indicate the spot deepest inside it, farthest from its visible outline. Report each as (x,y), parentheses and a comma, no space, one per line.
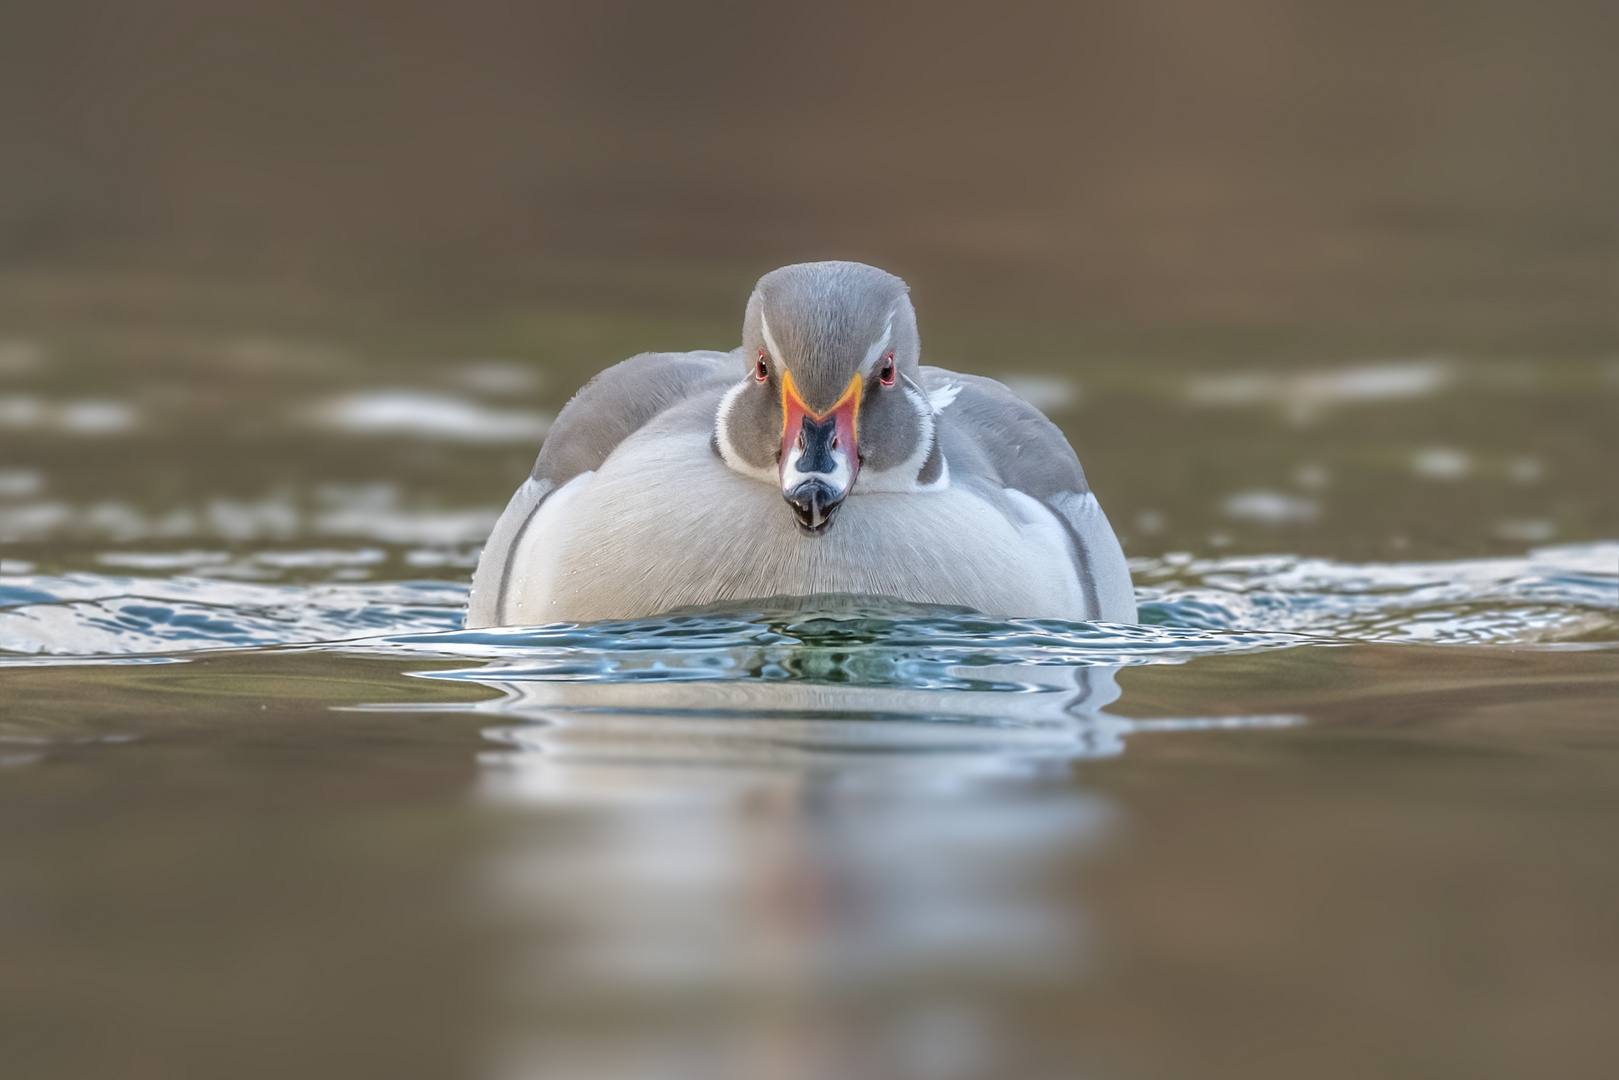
(940,398)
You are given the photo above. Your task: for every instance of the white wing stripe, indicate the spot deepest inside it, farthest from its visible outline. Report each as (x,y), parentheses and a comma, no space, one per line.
(722,438)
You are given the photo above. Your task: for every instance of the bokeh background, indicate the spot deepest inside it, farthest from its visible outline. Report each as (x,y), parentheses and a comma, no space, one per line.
(1334,278)
(290,291)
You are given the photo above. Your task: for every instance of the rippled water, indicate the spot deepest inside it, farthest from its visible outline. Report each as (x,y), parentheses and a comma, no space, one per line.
(1188,606)
(853,841)
(1343,805)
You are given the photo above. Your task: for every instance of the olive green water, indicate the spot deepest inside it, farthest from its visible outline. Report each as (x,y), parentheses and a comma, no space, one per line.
(1349,807)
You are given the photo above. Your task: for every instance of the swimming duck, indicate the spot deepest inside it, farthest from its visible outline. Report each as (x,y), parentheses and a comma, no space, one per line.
(820,458)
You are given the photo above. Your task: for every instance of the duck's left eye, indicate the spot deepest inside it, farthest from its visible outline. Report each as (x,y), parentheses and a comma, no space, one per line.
(886,376)
(761,370)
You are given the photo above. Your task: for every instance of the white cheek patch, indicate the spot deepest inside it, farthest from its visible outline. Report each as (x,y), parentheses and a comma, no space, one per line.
(722,438)
(902,477)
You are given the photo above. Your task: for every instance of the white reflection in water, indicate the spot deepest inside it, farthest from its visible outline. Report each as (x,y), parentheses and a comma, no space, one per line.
(782,878)
(425,414)
(1302,396)
(26,412)
(795,845)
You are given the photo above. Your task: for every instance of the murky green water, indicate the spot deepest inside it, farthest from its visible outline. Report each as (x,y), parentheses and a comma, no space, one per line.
(1348,804)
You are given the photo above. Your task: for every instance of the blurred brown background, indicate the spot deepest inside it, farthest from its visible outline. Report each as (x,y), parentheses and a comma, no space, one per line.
(1391,228)
(1320,292)
(1420,172)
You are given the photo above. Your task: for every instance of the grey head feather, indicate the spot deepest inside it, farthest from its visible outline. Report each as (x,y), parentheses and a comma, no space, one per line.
(824,322)
(824,318)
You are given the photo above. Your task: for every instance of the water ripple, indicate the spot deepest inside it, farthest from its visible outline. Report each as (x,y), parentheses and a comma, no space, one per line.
(1188,607)
(1553,594)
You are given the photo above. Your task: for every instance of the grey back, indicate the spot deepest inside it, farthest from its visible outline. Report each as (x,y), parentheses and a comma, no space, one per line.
(619,402)
(994,440)
(607,410)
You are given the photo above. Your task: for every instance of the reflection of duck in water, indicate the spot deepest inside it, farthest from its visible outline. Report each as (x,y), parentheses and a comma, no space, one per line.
(659,484)
(830,847)
(860,858)
(636,732)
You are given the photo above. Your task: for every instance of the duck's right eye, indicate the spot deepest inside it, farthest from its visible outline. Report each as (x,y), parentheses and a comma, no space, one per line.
(761,370)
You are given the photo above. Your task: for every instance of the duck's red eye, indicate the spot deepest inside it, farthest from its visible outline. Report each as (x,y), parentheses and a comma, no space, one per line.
(761,370)
(886,376)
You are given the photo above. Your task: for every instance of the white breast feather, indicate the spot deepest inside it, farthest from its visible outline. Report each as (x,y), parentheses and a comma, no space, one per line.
(624,551)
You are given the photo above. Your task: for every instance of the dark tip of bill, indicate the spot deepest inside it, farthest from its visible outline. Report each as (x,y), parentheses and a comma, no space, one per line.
(813,505)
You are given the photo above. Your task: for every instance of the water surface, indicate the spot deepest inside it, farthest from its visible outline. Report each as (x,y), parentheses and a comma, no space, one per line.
(1346,803)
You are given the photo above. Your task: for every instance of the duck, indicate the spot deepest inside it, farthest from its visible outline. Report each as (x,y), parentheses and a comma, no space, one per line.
(819,459)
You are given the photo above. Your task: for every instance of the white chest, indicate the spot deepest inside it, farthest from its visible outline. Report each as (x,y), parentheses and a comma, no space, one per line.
(664,524)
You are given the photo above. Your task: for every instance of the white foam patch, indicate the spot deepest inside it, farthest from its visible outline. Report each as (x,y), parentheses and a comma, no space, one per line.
(457,558)
(396,526)
(1526,530)
(93,614)
(1552,593)
(421,414)
(1441,463)
(26,412)
(33,521)
(1048,393)
(499,378)
(1193,606)
(1271,508)
(20,483)
(363,512)
(320,558)
(1302,395)
(163,560)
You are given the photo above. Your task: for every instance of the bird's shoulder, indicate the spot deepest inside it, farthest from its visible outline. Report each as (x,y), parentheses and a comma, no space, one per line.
(993,439)
(989,432)
(620,401)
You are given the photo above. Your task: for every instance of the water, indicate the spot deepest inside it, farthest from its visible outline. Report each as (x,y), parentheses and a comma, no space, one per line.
(1345,804)
(1323,295)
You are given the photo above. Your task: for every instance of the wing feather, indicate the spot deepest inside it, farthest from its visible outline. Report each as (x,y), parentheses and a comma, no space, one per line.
(993,437)
(609,409)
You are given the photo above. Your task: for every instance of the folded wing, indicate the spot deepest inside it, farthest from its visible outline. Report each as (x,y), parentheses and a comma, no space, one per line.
(609,409)
(993,437)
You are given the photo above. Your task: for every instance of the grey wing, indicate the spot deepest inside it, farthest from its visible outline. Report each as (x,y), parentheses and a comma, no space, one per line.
(989,432)
(609,409)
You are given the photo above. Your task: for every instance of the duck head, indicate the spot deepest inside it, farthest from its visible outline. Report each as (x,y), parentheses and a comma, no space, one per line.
(830,390)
